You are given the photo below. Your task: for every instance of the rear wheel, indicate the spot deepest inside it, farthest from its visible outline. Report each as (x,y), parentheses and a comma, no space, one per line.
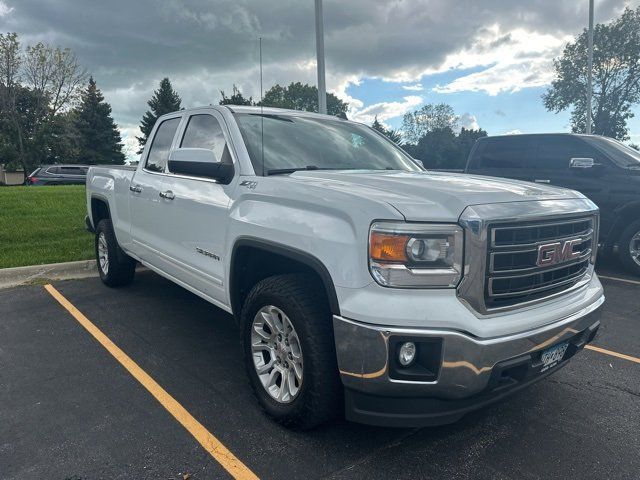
(116,268)
(289,350)
(629,247)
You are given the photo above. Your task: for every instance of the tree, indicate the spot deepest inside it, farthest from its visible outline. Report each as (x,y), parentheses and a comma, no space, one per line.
(391,134)
(466,140)
(55,74)
(10,92)
(616,77)
(418,123)
(442,148)
(437,148)
(297,96)
(164,100)
(236,98)
(36,88)
(98,136)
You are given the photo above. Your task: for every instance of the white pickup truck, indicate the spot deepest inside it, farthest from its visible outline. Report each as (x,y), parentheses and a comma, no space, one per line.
(361,282)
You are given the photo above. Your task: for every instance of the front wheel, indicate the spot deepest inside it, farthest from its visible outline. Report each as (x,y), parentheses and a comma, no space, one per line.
(629,247)
(116,268)
(289,350)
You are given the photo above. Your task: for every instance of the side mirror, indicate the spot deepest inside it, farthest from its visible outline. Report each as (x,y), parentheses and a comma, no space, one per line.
(582,163)
(419,162)
(199,162)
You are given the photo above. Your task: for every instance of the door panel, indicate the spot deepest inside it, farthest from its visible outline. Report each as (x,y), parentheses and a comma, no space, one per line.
(148,216)
(554,154)
(196,219)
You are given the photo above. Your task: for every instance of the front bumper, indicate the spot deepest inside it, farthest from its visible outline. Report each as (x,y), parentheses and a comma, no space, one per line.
(472,372)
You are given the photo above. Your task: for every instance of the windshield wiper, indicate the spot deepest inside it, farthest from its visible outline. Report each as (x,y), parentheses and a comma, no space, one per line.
(281,171)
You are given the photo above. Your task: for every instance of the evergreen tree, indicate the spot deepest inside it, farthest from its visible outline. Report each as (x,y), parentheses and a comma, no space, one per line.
(236,98)
(99,140)
(391,134)
(164,100)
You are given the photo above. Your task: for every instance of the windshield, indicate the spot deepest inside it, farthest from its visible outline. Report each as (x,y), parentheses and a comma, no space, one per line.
(294,142)
(620,153)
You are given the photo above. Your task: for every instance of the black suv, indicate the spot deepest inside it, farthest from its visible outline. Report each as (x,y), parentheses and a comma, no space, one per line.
(605,170)
(58,175)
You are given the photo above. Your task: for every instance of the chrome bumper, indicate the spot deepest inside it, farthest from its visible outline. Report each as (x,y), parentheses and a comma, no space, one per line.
(467,362)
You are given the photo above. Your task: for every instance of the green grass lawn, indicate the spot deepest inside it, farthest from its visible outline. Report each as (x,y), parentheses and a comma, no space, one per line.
(43,225)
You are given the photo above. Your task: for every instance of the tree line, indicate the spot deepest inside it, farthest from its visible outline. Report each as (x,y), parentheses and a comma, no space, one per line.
(51,111)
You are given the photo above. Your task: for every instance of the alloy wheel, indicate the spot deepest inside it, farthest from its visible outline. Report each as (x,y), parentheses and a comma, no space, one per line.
(277,354)
(634,247)
(103,253)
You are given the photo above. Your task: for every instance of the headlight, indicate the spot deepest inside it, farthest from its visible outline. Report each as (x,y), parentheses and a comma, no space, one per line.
(415,255)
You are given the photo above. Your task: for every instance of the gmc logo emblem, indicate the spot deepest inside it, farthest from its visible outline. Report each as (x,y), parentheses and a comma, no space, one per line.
(558,252)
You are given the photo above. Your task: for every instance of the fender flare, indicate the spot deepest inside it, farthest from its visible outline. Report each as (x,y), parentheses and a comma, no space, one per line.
(294,254)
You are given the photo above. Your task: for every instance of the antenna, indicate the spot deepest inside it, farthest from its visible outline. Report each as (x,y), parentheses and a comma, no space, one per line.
(261,109)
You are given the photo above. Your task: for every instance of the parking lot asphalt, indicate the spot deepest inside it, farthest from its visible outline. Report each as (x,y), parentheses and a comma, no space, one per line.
(68,408)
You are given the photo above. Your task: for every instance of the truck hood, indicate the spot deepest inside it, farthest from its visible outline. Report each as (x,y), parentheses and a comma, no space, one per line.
(432,196)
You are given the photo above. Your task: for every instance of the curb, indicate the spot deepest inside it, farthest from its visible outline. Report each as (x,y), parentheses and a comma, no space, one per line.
(12,277)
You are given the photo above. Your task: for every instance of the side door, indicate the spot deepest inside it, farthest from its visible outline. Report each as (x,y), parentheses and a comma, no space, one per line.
(505,156)
(553,165)
(196,217)
(148,215)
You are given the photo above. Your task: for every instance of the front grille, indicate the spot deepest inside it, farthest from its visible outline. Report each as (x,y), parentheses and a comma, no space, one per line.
(513,275)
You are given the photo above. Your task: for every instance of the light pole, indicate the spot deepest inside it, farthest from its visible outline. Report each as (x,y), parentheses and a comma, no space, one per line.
(590,67)
(322,88)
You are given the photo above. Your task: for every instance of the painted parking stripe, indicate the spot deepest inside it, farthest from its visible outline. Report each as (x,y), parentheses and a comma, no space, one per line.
(210,443)
(617,279)
(613,354)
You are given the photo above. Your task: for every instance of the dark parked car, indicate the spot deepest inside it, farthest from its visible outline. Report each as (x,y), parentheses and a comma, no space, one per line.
(605,170)
(59,175)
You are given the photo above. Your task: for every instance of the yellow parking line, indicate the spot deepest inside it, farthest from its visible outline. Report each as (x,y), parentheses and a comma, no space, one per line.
(211,444)
(634,282)
(613,354)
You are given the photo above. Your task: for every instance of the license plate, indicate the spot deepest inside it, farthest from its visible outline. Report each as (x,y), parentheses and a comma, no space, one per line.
(552,356)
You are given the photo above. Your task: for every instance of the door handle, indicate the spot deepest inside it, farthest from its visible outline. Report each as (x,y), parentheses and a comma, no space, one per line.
(135,188)
(168,195)
(542,181)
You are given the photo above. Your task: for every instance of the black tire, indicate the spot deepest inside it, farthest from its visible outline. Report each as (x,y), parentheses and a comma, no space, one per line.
(624,250)
(121,267)
(320,397)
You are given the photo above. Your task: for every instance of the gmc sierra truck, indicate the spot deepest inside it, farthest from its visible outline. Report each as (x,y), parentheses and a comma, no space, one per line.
(361,282)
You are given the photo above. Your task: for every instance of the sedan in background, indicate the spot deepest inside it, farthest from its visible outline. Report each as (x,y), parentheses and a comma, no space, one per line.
(58,175)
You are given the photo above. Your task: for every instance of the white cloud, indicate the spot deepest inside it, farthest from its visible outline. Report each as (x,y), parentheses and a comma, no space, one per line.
(513,132)
(386,110)
(5,9)
(415,88)
(514,60)
(468,121)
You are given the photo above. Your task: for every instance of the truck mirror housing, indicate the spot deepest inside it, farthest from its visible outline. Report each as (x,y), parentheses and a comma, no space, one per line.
(200,162)
(582,163)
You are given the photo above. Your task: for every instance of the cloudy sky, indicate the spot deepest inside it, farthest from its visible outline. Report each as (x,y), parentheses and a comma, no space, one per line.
(490,59)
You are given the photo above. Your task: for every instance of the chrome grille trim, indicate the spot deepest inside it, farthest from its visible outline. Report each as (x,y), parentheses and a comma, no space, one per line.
(481,250)
(586,254)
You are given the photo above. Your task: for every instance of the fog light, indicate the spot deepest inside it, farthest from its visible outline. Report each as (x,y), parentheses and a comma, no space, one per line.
(407,353)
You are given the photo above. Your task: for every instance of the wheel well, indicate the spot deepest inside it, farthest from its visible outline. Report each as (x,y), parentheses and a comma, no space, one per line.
(626,215)
(255,260)
(99,210)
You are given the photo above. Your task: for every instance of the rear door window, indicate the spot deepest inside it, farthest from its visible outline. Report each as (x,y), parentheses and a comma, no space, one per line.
(71,171)
(161,144)
(504,152)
